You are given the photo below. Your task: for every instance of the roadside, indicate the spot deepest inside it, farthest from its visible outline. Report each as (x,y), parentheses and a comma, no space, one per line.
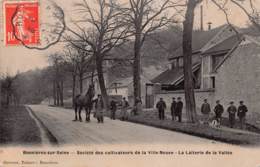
(251,136)
(17,127)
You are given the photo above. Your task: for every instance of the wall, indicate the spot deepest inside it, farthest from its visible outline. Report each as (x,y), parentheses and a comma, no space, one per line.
(120,91)
(238,78)
(200,95)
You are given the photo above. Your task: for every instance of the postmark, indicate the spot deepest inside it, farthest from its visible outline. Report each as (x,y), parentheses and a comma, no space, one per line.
(21,22)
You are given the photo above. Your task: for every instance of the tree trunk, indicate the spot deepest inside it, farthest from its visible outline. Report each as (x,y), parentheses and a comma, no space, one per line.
(57,94)
(81,82)
(61,93)
(101,79)
(54,94)
(73,88)
(137,66)
(187,58)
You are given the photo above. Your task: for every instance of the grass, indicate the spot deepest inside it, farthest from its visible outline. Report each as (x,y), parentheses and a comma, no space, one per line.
(17,127)
(150,118)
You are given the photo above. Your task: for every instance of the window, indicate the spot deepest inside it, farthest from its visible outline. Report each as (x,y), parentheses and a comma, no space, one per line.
(216,59)
(213,82)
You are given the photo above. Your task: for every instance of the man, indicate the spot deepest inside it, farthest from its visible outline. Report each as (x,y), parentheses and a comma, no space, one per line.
(138,106)
(219,109)
(99,106)
(161,106)
(113,109)
(173,108)
(241,113)
(205,110)
(125,106)
(179,107)
(232,114)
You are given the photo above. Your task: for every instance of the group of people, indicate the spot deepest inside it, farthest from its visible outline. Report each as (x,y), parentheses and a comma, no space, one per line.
(176,109)
(99,109)
(233,111)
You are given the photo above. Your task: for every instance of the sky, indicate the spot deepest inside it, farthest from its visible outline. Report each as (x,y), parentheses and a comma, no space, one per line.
(18,58)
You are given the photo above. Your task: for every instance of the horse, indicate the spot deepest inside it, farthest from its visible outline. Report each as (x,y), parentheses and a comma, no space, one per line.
(84,101)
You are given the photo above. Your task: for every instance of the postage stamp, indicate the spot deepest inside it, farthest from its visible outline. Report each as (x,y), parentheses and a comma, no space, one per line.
(21,22)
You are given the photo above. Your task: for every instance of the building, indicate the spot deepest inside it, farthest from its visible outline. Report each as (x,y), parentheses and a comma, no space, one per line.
(225,67)
(124,88)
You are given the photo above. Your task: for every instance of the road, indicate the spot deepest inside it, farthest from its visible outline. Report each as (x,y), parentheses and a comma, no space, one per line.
(59,122)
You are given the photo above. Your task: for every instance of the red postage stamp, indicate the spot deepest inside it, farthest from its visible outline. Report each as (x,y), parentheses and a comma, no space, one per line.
(21,22)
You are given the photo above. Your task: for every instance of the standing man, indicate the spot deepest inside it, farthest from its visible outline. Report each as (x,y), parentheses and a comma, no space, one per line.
(161,106)
(219,109)
(113,108)
(241,113)
(125,105)
(99,106)
(173,108)
(179,107)
(205,110)
(232,114)
(138,107)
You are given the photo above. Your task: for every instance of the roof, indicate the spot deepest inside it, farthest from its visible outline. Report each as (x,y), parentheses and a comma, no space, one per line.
(202,40)
(224,46)
(199,39)
(247,40)
(171,76)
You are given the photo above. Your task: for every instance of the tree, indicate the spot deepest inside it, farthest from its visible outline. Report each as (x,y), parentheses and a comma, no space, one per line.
(58,78)
(187,60)
(144,17)
(104,32)
(187,45)
(8,90)
(78,63)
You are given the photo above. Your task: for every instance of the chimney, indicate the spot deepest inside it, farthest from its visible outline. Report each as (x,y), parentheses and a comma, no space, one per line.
(201,18)
(209,25)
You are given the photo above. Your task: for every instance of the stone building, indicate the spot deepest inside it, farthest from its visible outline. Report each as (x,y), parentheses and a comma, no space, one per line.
(225,67)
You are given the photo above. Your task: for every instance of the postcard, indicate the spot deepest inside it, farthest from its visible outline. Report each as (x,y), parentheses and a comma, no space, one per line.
(158,83)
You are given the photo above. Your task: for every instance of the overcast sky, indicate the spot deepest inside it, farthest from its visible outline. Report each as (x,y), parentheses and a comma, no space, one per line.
(18,58)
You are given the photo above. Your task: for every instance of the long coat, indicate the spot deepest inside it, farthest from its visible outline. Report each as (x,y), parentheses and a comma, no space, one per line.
(205,108)
(179,107)
(99,107)
(173,107)
(219,109)
(161,105)
(242,110)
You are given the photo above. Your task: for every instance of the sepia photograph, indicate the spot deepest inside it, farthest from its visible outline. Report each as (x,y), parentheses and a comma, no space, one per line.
(87,83)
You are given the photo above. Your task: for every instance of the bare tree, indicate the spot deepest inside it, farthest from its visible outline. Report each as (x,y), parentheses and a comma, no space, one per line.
(58,78)
(78,63)
(187,44)
(145,17)
(104,32)
(187,59)
(251,12)
(8,89)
